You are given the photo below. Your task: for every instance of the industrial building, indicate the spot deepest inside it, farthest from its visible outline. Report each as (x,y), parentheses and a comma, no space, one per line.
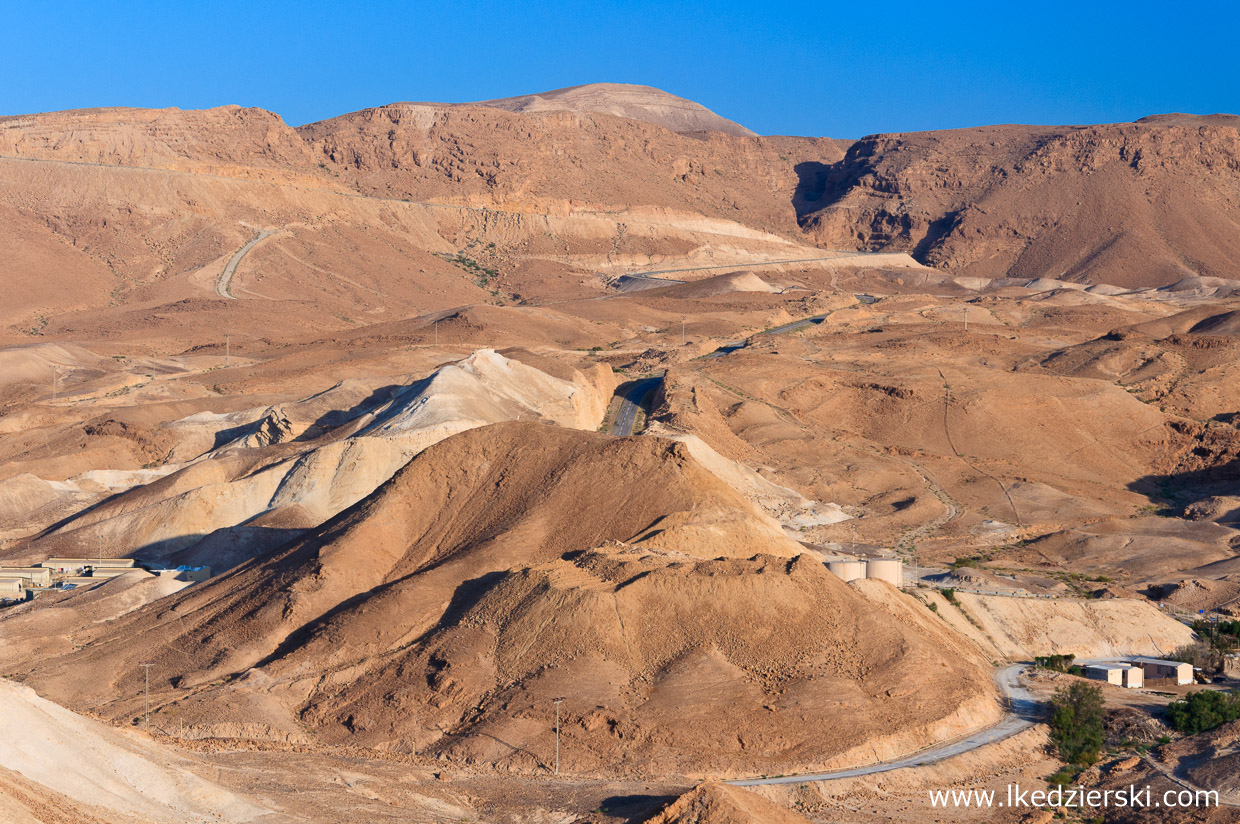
(31,576)
(1161,671)
(890,570)
(1121,675)
(78,565)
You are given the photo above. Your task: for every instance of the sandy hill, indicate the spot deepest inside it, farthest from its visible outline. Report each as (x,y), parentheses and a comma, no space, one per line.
(443,612)
(1132,204)
(713,803)
(643,103)
(256,486)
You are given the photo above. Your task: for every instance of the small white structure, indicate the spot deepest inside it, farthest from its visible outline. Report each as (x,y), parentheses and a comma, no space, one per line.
(193,574)
(1160,669)
(1121,675)
(847,570)
(890,570)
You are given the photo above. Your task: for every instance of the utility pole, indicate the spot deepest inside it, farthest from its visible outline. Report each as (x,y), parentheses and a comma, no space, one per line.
(966,319)
(148,695)
(99,546)
(55,380)
(227,351)
(682,331)
(436,331)
(558,702)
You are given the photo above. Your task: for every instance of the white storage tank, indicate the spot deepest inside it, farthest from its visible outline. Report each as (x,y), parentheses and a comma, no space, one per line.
(890,570)
(847,570)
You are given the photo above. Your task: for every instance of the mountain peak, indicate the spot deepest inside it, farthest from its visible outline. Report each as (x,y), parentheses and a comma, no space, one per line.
(644,103)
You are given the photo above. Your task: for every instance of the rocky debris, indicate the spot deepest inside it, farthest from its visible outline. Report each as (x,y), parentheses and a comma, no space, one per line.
(1126,726)
(714,803)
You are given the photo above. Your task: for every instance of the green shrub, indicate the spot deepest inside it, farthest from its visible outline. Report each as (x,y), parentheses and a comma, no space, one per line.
(1057,663)
(1203,710)
(1063,777)
(1077,723)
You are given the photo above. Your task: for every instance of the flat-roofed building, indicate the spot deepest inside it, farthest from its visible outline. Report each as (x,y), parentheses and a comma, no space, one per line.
(1121,675)
(1160,670)
(12,588)
(76,565)
(33,576)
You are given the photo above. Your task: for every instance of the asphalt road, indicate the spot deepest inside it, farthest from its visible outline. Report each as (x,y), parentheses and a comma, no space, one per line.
(631,404)
(223,286)
(729,348)
(1022,711)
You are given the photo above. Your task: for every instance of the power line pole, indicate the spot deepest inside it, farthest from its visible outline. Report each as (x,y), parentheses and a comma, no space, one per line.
(99,546)
(436,331)
(558,702)
(682,331)
(148,695)
(55,380)
(227,350)
(966,319)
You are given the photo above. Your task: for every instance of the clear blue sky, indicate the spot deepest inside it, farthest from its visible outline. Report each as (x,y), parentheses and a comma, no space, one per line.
(814,68)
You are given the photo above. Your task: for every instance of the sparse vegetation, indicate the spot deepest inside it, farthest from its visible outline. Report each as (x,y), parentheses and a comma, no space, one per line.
(1058,663)
(482,274)
(971,561)
(1078,723)
(40,323)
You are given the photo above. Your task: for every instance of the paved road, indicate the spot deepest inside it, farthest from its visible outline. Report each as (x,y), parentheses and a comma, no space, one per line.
(729,348)
(836,254)
(223,286)
(1022,711)
(631,404)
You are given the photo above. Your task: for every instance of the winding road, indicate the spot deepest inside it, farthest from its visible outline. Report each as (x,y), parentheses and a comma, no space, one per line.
(631,404)
(1022,711)
(223,286)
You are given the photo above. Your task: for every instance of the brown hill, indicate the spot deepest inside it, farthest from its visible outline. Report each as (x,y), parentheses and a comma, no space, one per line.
(120,223)
(476,154)
(1132,204)
(445,611)
(713,803)
(643,103)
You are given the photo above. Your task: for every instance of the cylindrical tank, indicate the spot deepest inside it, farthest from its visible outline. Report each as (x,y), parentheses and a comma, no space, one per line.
(847,570)
(890,570)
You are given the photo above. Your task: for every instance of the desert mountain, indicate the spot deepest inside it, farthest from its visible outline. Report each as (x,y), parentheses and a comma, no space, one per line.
(512,562)
(170,225)
(1132,204)
(624,100)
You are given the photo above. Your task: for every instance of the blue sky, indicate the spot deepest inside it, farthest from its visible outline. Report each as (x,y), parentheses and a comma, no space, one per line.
(813,68)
